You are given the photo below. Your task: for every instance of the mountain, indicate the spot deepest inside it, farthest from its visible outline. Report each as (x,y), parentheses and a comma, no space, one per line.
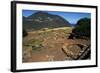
(42,19)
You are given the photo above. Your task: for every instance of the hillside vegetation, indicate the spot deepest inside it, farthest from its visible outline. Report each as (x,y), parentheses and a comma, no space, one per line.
(82,29)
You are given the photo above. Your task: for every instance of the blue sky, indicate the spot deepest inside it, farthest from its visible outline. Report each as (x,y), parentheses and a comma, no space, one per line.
(71,17)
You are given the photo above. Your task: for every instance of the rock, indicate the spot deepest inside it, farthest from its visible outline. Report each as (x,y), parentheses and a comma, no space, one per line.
(86,54)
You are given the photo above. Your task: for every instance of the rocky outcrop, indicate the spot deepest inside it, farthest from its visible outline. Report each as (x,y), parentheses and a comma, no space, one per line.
(76,51)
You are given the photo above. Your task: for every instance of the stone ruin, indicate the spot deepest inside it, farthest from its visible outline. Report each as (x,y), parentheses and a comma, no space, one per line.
(77,51)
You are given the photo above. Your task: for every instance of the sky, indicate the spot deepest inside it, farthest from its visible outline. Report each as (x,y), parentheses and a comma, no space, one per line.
(71,17)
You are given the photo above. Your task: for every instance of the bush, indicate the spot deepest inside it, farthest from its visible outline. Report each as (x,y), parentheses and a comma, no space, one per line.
(24,33)
(83,28)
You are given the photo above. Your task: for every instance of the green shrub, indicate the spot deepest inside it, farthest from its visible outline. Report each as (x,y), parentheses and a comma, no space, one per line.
(24,33)
(83,27)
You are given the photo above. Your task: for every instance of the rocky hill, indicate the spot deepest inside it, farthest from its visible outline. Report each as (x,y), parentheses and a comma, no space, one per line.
(40,20)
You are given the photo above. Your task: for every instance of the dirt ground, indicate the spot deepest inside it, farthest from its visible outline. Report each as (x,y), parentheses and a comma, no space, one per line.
(44,45)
